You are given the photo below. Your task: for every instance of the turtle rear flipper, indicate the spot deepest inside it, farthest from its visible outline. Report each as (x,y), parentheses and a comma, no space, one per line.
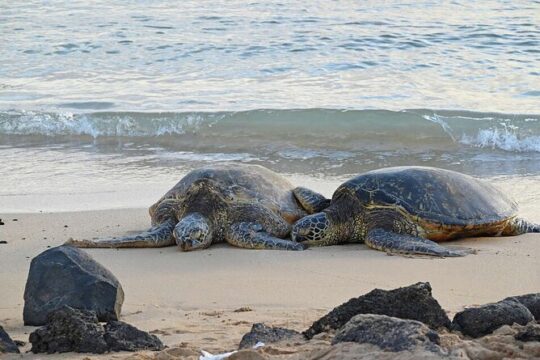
(311,201)
(392,242)
(521,226)
(157,236)
(252,236)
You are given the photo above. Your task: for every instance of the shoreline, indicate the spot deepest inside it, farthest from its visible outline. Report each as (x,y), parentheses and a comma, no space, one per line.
(191,297)
(113,196)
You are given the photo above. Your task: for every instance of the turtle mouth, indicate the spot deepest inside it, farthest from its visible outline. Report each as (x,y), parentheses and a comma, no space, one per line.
(193,241)
(192,232)
(188,245)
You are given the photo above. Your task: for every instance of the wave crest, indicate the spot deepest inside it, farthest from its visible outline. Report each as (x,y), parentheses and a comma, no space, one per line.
(305,129)
(503,139)
(97,124)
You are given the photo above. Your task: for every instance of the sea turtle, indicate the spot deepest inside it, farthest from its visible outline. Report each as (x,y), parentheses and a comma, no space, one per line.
(248,206)
(409,209)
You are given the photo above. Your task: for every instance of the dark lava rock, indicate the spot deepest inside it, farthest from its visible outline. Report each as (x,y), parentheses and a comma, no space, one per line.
(6,344)
(68,330)
(66,275)
(531,332)
(265,334)
(531,302)
(73,330)
(413,302)
(388,333)
(121,336)
(483,320)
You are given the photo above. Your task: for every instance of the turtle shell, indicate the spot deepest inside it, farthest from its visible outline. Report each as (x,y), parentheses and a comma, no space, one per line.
(241,183)
(434,195)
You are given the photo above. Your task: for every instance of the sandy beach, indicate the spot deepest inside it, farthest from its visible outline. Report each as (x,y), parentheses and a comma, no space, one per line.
(191,298)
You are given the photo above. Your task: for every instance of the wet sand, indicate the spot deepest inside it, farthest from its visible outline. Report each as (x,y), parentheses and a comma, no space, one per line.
(192,297)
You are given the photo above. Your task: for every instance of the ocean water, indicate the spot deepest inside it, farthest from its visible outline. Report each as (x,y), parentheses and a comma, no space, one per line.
(108,95)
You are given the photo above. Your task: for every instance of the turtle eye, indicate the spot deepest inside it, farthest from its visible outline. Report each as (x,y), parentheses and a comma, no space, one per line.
(228,195)
(304,231)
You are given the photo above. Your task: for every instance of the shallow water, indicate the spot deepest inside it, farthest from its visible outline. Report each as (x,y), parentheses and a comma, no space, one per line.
(239,55)
(109,95)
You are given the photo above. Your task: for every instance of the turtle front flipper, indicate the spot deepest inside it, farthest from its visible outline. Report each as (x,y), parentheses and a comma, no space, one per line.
(252,236)
(157,236)
(392,242)
(311,201)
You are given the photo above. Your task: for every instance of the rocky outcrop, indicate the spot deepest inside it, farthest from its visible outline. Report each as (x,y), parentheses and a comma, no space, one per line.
(500,345)
(388,333)
(531,332)
(68,330)
(266,334)
(483,320)
(66,275)
(73,330)
(531,302)
(120,336)
(6,344)
(413,302)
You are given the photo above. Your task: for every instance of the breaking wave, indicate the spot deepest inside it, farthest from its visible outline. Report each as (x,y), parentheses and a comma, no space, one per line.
(305,130)
(503,139)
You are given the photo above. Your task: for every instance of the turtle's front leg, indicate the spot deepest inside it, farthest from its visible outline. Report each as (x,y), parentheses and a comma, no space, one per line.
(311,201)
(392,242)
(271,222)
(158,236)
(252,236)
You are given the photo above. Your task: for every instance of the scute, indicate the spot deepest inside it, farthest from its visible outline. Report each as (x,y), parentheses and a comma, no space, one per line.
(442,196)
(248,182)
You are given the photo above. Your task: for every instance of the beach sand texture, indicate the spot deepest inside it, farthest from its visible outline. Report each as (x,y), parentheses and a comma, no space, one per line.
(192,297)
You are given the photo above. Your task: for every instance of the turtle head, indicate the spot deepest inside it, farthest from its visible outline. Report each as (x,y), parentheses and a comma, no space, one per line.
(338,223)
(314,229)
(202,210)
(193,232)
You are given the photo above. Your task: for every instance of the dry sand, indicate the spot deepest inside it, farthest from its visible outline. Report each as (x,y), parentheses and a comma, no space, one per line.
(192,297)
